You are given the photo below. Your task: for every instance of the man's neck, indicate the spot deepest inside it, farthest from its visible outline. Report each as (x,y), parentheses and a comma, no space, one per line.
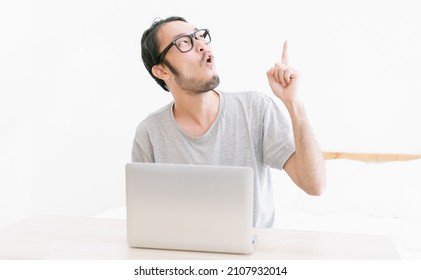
(195,114)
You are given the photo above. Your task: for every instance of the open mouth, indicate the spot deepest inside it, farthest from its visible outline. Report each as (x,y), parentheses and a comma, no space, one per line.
(208,58)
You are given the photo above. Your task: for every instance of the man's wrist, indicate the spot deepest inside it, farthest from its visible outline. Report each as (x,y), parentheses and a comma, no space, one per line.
(296,109)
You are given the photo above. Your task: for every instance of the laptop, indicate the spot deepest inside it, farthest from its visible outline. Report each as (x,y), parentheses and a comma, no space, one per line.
(190,207)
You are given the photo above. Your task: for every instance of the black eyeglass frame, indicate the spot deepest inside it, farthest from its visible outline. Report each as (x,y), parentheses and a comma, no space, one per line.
(173,43)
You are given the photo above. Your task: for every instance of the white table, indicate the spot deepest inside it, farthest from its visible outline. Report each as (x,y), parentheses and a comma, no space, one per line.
(54,237)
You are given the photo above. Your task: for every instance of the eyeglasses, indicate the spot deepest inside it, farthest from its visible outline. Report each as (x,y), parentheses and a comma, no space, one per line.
(185,43)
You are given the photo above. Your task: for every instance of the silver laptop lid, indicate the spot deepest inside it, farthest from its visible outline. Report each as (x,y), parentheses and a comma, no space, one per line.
(189,207)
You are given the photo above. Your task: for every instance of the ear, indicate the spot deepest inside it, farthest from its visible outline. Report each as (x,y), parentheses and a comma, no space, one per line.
(160,72)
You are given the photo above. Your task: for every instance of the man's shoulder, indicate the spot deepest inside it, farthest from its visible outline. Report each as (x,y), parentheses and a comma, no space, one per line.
(155,118)
(158,114)
(247,97)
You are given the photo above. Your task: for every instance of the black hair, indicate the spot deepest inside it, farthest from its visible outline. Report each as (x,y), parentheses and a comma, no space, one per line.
(150,47)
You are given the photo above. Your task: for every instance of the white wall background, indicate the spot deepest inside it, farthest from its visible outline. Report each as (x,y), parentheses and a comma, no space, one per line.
(73,87)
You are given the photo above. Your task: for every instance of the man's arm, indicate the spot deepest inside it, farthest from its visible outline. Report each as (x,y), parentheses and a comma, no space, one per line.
(306,166)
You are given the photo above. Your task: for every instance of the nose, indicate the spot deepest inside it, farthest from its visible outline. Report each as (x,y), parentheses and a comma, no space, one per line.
(200,46)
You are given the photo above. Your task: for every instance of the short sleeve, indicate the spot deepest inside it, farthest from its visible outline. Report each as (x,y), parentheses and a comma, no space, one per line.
(278,137)
(142,150)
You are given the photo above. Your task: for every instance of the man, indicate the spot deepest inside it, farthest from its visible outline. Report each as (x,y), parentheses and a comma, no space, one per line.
(204,125)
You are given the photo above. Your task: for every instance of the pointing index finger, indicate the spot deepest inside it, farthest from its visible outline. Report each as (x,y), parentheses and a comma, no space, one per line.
(285,53)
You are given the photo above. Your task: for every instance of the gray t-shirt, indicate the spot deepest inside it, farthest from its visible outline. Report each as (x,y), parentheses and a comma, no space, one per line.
(249,130)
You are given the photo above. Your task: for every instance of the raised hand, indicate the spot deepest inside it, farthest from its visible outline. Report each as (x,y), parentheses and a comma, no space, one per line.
(283,79)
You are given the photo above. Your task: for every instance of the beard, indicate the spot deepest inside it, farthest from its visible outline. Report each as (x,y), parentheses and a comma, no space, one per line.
(193,85)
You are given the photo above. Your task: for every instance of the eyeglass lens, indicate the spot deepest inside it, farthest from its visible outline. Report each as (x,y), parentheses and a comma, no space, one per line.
(185,43)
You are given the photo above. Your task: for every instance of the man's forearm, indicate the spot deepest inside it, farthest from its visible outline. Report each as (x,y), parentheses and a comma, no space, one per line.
(306,167)
(309,164)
